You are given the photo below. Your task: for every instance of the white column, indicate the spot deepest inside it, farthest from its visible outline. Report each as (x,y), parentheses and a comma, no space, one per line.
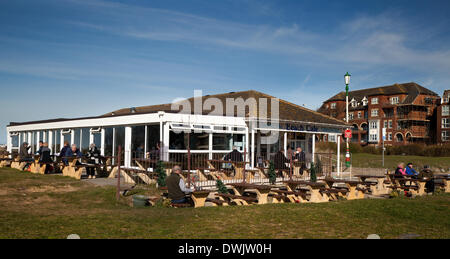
(127,146)
(50,142)
(38,134)
(72,137)
(91,137)
(210,146)
(102,148)
(253,149)
(165,147)
(29,141)
(247,146)
(285,144)
(145,140)
(313,147)
(338,139)
(9,141)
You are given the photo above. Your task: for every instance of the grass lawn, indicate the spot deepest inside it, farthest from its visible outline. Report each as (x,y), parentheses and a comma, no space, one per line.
(375,161)
(46,206)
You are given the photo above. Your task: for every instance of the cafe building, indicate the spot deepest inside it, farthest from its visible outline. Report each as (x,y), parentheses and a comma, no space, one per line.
(257,124)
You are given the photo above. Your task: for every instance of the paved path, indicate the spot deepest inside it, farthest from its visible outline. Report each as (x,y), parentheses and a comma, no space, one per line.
(107,182)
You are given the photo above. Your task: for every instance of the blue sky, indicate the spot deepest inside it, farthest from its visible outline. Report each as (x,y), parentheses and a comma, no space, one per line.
(73,58)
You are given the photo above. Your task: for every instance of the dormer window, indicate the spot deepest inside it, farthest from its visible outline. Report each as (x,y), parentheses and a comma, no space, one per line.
(364,101)
(354,103)
(333,105)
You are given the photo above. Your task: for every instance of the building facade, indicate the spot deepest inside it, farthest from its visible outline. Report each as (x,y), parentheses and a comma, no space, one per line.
(406,111)
(257,124)
(443,119)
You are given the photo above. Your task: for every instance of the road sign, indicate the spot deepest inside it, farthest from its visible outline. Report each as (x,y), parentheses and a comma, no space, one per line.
(348,133)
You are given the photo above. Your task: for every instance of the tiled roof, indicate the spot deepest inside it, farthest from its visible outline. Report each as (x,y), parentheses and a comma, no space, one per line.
(411,89)
(287,111)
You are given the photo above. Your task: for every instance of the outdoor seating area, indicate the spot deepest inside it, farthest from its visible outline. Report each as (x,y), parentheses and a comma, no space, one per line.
(243,185)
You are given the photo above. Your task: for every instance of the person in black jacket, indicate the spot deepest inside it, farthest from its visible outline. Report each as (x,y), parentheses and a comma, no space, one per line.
(234,156)
(93,156)
(279,161)
(46,158)
(300,157)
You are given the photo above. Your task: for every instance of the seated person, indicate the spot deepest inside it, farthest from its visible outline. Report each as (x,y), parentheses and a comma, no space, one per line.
(23,153)
(234,155)
(41,145)
(300,157)
(279,161)
(74,151)
(400,172)
(427,174)
(93,156)
(176,186)
(63,151)
(45,157)
(410,170)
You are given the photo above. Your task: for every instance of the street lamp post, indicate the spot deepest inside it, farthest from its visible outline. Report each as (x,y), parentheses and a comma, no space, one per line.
(347,153)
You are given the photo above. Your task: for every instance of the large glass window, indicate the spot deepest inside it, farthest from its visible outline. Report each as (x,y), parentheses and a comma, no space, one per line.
(198,141)
(85,135)
(445,123)
(108,141)
(152,137)
(97,139)
(57,141)
(76,139)
(137,141)
(15,140)
(445,110)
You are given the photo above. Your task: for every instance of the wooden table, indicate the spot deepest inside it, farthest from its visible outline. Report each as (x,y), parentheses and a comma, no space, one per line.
(262,191)
(199,198)
(352,186)
(4,162)
(313,187)
(296,167)
(445,179)
(380,188)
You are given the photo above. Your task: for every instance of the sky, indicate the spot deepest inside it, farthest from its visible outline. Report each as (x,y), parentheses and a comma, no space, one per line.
(75,58)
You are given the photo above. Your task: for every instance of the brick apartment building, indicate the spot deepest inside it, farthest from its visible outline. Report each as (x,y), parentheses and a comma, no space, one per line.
(407,111)
(443,119)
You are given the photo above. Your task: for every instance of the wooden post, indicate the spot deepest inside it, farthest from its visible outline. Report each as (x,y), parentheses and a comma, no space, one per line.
(119,153)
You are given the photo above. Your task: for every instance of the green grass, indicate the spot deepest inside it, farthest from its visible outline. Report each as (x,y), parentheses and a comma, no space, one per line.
(45,206)
(375,161)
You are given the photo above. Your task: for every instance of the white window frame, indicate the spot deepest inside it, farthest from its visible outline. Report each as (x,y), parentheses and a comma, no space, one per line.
(445,110)
(333,106)
(394,100)
(445,135)
(374,112)
(445,123)
(374,100)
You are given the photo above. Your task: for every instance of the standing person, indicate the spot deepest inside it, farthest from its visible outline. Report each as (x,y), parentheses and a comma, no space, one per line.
(140,151)
(93,156)
(234,155)
(177,187)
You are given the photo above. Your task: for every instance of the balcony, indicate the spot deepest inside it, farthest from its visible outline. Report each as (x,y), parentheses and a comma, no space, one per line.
(414,115)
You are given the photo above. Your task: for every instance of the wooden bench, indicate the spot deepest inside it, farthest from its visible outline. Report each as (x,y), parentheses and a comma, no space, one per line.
(199,198)
(217,202)
(5,162)
(236,199)
(261,191)
(292,196)
(74,168)
(354,192)
(313,188)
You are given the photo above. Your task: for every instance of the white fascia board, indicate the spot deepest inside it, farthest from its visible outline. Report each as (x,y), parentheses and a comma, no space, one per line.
(133,120)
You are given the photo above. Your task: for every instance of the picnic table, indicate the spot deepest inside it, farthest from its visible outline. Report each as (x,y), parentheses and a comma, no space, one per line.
(445,179)
(297,166)
(261,191)
(225,174)
(5,161)
(379,188)
(313,187)
(199,198)
(352,186)
(404,182)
